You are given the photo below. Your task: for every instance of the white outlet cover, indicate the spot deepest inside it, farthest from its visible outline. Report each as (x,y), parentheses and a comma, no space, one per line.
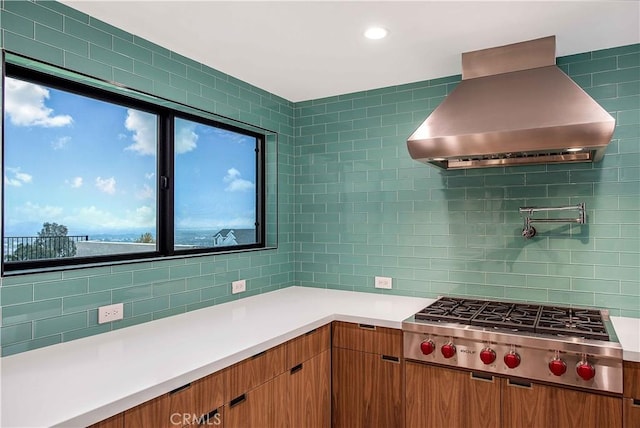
(110,313)
(383,282)
(238,286)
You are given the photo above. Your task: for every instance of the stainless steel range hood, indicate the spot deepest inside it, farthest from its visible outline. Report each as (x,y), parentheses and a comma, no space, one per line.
(514,106)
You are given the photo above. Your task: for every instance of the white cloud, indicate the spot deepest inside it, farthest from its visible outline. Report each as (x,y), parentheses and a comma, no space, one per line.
(149,175)
(146,193)
(60,143)
(17,178)
(24,103)
(106,185)
(97,219)
(216,223)
(35,212)
(144,128)
(76,182)
(186,137)
(236,184)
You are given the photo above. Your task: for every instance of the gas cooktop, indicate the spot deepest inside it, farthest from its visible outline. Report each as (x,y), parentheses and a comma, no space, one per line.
(553,320)
(569,346)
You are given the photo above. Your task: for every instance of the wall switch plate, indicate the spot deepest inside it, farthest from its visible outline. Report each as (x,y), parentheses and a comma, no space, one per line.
(383,282)
(238,286)
(110,313)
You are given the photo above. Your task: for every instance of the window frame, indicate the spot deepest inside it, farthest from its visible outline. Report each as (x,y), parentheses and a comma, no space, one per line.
(164,171)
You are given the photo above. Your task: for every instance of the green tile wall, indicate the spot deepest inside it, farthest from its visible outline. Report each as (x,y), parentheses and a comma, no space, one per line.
(44,309)
(364,208)
(352,204)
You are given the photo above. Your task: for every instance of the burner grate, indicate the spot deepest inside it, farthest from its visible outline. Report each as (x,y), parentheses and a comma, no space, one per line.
(519,317)
(586,323)
(451,309)
(554,320)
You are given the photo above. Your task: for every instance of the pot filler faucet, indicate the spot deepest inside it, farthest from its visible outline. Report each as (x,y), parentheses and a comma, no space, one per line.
(529,231)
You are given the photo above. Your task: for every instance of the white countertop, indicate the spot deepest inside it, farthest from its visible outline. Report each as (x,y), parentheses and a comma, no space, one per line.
(628,332)
(81,382)
(84,381)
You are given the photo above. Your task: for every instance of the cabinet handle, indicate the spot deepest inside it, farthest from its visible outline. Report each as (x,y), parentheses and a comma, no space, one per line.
(636,402)
(367,326)
(296,369)
(209,417)
(481,376)
(180,388)
(519,383)
(390,359)
(259,354)
(238,400)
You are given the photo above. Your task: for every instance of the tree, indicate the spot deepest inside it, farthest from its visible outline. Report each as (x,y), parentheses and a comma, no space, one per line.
(52,242)
(146,238)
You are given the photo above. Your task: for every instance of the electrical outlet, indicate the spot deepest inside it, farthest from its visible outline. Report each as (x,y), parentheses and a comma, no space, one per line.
(383,282)
(110,313)
(238,286)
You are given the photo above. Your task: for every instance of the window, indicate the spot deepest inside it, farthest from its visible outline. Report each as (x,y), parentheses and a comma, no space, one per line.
(215,191)
(92,175)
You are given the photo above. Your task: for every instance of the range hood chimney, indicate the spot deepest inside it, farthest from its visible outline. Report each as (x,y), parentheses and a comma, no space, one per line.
(514,106)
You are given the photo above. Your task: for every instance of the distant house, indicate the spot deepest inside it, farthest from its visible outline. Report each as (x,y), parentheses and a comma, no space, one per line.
(229,237)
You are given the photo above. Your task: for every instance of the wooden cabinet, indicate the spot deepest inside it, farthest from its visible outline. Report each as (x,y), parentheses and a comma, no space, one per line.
(197,401)
(254,371)
(153,413)
(244,395)
(366,376)
(535,405)
(253,408)
(189,405)
(438,396)
(631,400)
(367,338)
(303,394)
(298,396)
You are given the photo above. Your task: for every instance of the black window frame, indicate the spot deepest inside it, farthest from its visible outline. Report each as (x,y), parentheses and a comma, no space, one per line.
(164,172)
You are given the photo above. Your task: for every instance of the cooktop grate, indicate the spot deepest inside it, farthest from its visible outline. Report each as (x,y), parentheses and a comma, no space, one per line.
(553,320)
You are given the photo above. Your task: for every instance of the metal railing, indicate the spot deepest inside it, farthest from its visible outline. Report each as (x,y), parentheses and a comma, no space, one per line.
(18,248)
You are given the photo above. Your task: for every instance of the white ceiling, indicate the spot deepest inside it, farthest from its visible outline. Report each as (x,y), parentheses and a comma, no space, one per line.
(304,50)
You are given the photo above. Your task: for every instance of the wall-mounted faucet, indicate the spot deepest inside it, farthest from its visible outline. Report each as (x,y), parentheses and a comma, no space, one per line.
(529,231)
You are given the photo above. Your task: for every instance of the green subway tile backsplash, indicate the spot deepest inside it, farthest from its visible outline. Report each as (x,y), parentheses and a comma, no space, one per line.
(43,309)
(352,204)
(460,233)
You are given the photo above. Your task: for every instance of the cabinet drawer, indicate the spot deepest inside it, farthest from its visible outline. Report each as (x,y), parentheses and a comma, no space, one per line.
(631,379)
(367,338)
(308,345)
(152,413)
(190,402)
(631,413)
(254,371)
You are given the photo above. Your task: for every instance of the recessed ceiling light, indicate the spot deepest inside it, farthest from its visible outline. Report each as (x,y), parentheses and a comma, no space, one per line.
(376,33)
(575,149)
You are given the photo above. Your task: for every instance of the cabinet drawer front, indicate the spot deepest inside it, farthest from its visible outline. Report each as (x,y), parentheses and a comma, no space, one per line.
(631,413)
(631,379)
(250,409)
(254,371)
(153,413)
(308,345)
(198,398)
(367,338)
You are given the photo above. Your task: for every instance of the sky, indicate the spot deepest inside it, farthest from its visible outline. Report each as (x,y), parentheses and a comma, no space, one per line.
(91,166)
